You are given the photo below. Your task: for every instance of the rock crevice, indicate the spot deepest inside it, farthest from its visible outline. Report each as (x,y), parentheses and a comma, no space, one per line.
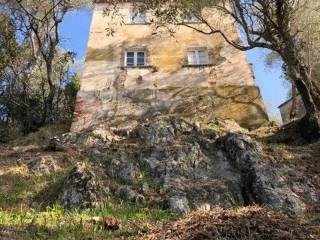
(261,184)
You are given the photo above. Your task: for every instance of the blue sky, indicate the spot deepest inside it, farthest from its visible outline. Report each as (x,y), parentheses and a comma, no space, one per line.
(75,32)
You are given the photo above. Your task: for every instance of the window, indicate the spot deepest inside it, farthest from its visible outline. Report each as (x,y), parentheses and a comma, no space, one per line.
(136,17)
(135,58)
(130,59)
(198,57)
(191,18)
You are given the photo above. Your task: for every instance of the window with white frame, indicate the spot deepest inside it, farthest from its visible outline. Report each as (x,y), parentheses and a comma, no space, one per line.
(135,58)
(198,57)
(137,17)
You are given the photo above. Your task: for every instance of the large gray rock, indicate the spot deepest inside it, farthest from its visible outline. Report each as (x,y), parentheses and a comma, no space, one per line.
(123,168)
(80,190)
(226,172)
(177,204)
(189,166)
(126,193)
(161,130)
(261,184)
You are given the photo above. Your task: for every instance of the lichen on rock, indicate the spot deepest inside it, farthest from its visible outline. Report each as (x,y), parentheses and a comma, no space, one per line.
(43,165)
(80,190)
(261,184)
(189,165)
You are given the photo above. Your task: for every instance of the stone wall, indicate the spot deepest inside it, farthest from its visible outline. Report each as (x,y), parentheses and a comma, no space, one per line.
(129,107)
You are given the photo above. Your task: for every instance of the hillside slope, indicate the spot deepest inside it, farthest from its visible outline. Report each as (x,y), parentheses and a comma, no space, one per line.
(162,179)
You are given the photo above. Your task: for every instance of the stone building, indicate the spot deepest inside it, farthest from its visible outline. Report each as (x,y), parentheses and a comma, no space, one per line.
(286,108)
(138,72)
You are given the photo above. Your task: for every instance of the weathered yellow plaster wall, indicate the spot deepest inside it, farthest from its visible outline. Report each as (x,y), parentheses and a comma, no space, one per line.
(106,54)
(105,82)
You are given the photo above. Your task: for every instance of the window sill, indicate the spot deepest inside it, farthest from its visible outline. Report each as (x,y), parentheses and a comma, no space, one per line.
(197,65)
(136,67)
(190,22)
(132,24)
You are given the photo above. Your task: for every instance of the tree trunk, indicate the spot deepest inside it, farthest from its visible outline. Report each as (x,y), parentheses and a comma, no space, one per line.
(310,124)
(48,105)
(306,97)
(298,72)
(293,111)
(315,94)
(309,127)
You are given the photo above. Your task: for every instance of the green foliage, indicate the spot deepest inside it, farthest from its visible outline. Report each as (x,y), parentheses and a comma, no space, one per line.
(70,93)
(37,86)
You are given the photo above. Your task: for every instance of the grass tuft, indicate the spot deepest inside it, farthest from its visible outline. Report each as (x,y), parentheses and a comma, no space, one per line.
(57,223)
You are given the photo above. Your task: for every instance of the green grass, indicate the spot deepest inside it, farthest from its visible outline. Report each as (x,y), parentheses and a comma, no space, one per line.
(17,187)
(57,223)
(19,221)
(42,136)
(20,189)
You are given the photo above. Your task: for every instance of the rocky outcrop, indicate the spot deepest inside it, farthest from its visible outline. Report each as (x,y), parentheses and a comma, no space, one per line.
(188,165)
(261,184)
(123,168)
(42,165)
(80,190)
(127,194)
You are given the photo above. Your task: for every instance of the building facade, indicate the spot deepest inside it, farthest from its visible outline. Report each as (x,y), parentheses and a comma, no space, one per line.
(138,70)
